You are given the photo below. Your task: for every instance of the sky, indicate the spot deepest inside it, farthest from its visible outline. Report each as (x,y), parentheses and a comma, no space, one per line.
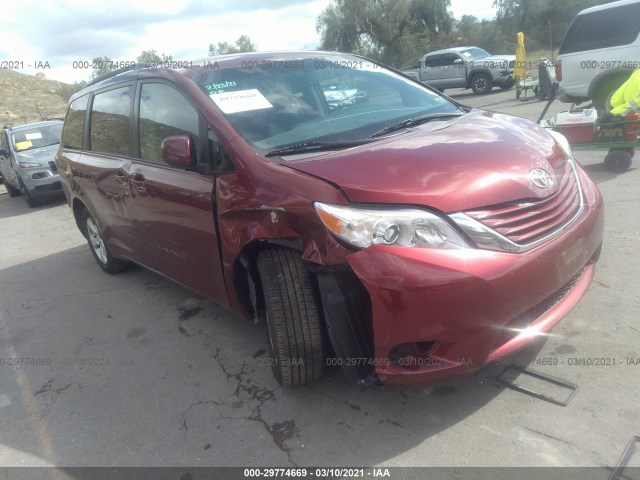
(61,37)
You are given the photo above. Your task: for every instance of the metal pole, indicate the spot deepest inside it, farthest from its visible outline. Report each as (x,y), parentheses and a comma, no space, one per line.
(550,40)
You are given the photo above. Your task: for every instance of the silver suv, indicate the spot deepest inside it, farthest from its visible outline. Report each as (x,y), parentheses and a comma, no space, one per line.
(599,51)
(26,160)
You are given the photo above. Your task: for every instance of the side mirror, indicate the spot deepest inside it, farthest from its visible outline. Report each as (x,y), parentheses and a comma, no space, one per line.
(176,151)
(3,152)
(457,61)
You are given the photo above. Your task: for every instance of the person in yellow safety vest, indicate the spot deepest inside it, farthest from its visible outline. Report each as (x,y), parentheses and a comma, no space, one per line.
(627,98)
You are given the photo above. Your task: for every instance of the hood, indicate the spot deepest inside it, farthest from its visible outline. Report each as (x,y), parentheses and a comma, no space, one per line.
(40,155)
(477,160)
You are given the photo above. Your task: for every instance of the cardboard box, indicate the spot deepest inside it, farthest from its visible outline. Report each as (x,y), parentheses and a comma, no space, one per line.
(578,127)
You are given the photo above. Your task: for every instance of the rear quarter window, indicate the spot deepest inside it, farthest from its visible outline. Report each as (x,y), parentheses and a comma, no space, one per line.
(603,29)
(73,131)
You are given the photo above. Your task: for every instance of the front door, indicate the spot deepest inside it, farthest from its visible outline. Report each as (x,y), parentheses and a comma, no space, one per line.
(175,208)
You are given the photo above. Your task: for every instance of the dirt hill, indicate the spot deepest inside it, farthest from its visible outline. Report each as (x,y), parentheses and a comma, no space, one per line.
(19,94)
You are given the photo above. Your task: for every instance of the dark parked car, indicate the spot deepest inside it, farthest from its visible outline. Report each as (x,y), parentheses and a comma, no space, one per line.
(418,237)
(27,154)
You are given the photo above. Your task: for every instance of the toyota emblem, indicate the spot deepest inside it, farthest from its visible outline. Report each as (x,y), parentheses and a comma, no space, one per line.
(539,177)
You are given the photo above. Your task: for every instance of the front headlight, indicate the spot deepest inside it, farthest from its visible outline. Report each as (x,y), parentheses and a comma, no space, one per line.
(29,165)
(406,227)
(562,141)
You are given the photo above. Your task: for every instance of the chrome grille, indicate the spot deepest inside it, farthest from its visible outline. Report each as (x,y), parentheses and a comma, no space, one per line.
(527,221)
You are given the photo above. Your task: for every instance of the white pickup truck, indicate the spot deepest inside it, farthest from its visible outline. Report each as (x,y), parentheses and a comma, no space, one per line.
(464,67)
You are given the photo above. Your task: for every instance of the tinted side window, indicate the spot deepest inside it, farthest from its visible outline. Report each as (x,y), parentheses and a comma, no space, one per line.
(449,58)
(434,61)
(164,112)
(110,121)
(73,132)
(603,29)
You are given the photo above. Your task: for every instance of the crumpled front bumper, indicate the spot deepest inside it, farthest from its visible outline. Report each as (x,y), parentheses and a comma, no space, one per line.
(46,186)
(469,304)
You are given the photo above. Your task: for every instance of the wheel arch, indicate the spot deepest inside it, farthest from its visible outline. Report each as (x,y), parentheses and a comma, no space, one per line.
(605,77)
(344,303)
(247,287)
(474,73)
(78,207)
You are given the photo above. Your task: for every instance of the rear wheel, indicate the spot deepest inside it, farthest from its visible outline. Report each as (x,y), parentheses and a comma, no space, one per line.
(99,248)
(618,160)
(508,84)
(294,327)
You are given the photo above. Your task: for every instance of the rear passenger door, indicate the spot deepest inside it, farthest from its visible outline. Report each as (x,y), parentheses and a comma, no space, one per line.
(175,213)
(103,172)
(433,70)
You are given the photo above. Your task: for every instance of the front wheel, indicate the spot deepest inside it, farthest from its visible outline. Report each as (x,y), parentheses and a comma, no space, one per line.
(11,190)
(32,202)
(99,248)
(294,325)
(481,84)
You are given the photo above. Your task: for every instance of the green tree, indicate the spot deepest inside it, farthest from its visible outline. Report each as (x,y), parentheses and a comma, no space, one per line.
(102,65)
(151,57)
(486,34)
(242,44)
(66,90)
(392,31)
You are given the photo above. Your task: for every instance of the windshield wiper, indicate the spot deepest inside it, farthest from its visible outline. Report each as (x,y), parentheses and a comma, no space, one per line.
(415,121)
(315,147)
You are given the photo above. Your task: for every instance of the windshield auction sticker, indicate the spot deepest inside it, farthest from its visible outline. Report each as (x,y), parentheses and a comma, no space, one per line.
(240,101)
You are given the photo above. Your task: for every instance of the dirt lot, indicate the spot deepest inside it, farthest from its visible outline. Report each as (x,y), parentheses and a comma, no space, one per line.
(133,370)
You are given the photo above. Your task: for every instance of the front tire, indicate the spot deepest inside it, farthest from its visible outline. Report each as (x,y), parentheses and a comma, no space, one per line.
(32,202)
(11,190)
(99,247)
(481,83)
(294,325)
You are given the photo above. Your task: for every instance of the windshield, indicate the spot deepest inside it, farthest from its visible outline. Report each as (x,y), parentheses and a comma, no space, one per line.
(474,53)
(336,98)
(37,137)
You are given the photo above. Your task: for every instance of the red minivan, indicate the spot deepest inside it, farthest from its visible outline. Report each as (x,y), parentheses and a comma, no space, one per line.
(369,221)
